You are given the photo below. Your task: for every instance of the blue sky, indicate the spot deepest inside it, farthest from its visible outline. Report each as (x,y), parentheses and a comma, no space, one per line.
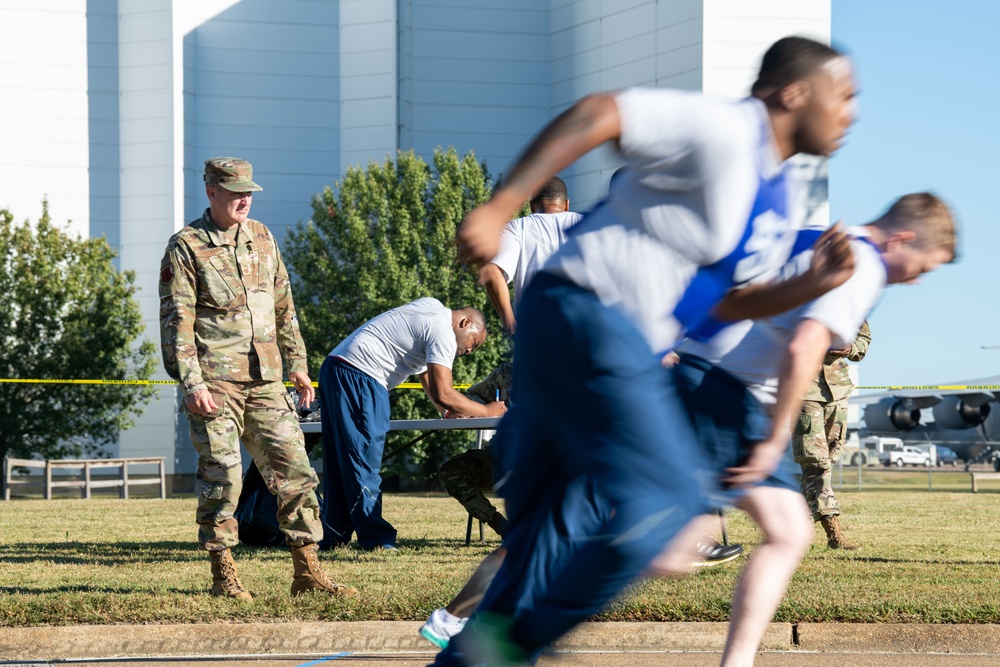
(929,75)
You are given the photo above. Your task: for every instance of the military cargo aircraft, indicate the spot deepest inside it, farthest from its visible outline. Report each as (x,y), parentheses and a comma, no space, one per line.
(963,416)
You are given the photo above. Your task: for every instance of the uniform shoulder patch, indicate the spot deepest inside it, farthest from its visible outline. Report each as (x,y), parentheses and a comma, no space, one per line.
(166,274)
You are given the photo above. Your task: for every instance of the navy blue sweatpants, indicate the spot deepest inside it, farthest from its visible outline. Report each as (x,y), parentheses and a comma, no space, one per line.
(355,418)
(604,469)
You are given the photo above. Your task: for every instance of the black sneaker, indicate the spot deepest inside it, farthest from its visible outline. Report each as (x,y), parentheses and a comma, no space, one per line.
(712,553)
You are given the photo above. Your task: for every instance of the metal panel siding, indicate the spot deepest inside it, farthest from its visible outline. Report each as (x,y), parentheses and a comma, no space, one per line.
(368,37)
(318,87)
(503,46)
(640,72)
(469,118)
(480,69)
(473,20)
(576,64)
(262,62)
(580,37)
(679,61)
(677,35)
(632,22)
(571,14)
(679,11)
(476,77)
(523,95)
(377,85)
(638,47)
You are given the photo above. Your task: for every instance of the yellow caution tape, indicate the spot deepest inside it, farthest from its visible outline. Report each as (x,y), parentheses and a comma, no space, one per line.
(934,387)
(416,385)
(404,385)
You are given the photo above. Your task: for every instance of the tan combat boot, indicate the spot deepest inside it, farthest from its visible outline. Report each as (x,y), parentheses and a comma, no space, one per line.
(835,534)
(225,581)
(309,576)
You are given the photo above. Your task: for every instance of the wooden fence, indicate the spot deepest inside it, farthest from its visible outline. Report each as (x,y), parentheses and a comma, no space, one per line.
(85,466)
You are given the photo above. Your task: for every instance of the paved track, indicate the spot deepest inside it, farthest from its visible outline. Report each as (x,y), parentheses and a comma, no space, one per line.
(644,659)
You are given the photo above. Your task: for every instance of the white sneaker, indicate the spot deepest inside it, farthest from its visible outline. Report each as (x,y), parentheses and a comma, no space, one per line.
(441,627)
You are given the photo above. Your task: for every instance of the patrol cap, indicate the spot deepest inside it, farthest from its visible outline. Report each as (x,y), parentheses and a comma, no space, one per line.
(231,173)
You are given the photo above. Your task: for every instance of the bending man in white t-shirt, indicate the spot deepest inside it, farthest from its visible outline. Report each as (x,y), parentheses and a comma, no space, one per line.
(420,338)
(525,245)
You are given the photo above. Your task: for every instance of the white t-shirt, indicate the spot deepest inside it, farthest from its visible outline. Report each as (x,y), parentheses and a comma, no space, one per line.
(528,242)
(685,201)
(401,342)
(752,351)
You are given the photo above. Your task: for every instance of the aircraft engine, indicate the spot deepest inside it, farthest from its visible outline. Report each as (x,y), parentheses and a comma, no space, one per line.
(889,415)
(955,413)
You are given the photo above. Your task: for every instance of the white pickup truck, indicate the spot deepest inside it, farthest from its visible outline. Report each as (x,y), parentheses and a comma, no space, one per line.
(906,456)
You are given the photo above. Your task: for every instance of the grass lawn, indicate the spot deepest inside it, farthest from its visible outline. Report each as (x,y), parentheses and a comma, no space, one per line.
(928,557)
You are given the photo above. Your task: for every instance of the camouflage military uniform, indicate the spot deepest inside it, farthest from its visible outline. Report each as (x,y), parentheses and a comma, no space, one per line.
(468,476)
(819,435)
(226,320)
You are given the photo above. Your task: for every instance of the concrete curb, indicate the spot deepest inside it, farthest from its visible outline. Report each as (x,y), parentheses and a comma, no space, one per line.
(898,638)
(117,641)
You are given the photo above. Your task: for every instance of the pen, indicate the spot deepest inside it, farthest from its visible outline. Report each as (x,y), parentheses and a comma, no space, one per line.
(498,393)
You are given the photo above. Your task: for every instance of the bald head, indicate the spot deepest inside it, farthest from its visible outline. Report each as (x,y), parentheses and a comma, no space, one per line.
(470,328)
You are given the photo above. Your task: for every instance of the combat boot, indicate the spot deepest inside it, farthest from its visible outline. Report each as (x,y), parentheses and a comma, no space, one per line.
(309,576)
(225,581)
(835,534)
(500,524)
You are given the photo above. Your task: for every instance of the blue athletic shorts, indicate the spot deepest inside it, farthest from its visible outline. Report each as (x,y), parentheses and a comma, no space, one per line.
(728,420)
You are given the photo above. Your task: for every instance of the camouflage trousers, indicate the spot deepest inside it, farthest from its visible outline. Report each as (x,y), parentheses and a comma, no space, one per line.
(817,444)
(467,477)
(262,416)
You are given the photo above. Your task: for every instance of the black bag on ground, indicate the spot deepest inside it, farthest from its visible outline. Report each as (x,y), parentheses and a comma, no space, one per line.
(257,512)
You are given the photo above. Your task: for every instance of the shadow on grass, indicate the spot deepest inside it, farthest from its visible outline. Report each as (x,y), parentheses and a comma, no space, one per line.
(104,590)
(408,544)
(920,561)
(96,553)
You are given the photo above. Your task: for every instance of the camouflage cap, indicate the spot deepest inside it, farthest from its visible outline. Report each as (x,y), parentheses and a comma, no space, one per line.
(231,173)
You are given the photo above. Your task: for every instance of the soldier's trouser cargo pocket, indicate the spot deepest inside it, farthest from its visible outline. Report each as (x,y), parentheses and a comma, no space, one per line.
(262,417)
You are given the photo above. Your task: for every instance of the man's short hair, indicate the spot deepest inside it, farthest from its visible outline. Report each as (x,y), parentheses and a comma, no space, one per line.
(928,217)
(476,318)
(554,190)
(791,59)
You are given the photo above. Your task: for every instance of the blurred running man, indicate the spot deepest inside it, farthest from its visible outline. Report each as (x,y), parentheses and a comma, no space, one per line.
(745,387)
(525,245)
(608,474)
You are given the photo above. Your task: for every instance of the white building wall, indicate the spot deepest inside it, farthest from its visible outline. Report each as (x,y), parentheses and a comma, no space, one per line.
(474,75)
(150,184)
(736,35)
(597,45)
(44,119)
(113,105)
(263,85)
(368,73)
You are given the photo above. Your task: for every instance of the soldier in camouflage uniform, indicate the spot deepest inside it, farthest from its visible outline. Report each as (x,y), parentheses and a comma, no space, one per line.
(819,435)
(226,320)
(468,476)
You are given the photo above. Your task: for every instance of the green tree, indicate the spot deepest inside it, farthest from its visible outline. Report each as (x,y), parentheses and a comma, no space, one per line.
(68,313)
(382,237)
